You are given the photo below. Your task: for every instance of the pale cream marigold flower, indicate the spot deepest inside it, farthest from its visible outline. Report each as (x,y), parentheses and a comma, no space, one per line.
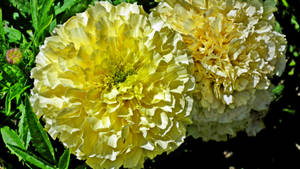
(236,50)
(114,88)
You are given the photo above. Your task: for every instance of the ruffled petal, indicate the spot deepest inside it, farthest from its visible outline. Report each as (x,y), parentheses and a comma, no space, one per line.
(113,87)
(236,51)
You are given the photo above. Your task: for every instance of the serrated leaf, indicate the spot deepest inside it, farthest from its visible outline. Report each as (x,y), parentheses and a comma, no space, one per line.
(24,133)
(9,136)
(39,137)
(30,158)
(13,35)
(64,160)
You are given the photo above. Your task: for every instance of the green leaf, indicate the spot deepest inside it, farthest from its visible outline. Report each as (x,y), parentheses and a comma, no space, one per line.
(8,105)
(64,160)
(291,72)
(13,35)
(14,91)
(67,5)
(290,111)
(17,89)
(2,33)
(34,13)
(116,2)
(292,63)
(77,6)
(296,54)
(42,17)
(82,166)
(10,137)
(52,25)
(278,89)
(285,3)
(22,5)
(16,15)
(295,23)
(39,137)
(24,132)
(30,158)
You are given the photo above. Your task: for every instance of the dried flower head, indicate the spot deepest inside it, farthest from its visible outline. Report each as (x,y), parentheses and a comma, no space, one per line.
(236,50)
(14,56)
(114,88)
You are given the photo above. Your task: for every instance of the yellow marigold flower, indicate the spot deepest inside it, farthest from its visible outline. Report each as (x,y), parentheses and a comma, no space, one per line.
(235,50)
(114,88)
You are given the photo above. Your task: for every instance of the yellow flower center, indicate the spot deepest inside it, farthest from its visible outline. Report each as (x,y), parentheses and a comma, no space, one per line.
(121,75)
(210,43)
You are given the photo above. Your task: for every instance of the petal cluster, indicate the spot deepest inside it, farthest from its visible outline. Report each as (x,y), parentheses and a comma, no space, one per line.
(114,88)
(236,51)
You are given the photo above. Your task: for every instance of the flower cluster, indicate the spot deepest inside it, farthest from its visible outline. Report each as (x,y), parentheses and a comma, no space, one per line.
(117,85)
(113,88)
(236,50)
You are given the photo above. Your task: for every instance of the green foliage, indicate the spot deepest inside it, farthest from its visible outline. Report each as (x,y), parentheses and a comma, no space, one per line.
(24,132)
(29,157)
(31,131)
(64,160)
(14,35)
(295,22)
(22,5)
(11,138)
(278,89)
(42,16)
(285,3)
(39,137)
(116,2)
(70,8)
(16,146)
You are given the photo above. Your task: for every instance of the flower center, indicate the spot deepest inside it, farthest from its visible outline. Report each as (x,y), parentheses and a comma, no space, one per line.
(121,75)
(210,44)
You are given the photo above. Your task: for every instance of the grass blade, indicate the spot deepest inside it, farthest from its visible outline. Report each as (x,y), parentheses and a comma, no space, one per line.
(34,13)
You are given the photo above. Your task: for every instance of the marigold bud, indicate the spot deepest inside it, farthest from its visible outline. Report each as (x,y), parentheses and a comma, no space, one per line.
(14,56)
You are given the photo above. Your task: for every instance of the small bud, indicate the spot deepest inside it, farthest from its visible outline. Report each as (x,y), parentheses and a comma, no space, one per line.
(14,55)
